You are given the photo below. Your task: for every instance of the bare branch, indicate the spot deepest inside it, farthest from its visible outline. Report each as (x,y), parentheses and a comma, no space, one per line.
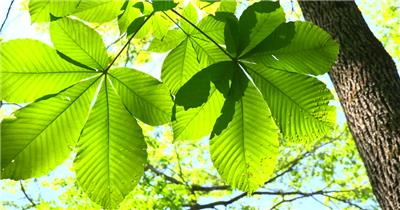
(168,178)
(281,193)
(26,195)
(8,13)
(196,187)
(344,201)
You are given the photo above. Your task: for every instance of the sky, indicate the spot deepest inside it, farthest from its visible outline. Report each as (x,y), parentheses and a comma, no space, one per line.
(18,26)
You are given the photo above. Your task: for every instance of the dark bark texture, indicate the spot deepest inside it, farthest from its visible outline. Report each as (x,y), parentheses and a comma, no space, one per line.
(368,86)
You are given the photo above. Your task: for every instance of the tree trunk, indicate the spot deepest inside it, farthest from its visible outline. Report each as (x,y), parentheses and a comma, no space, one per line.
(368,86)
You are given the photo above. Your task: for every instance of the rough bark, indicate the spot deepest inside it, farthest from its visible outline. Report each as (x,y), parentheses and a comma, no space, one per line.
(368,86)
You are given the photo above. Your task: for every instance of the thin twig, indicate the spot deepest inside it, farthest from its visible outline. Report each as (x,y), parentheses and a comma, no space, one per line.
(127,43)
(206,35)
(344,201)
(117,40)
(8,13)
(26,195)
(13,104)
(168,178)
(127,55)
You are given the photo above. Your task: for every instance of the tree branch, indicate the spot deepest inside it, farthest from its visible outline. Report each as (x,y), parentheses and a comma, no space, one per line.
(8,13)
(26,195)
(168,178)
(281,193)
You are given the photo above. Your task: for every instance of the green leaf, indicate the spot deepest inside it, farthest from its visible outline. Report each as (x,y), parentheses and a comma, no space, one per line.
(32,144)
(297,47)
(189,13)
(163,5)
(207,52)
(299,103)
(136,25)
(245,152)
(111,151)
(160,25)
(213,27)
(172,39)
(39,10)
(179,66)
(63,8)
(144,96)
(199,101)
(129,15)
(198,122)
(195,92)
(257,22)
(98,11)
(79,42)
(42,72)
(227,6)
(232,40)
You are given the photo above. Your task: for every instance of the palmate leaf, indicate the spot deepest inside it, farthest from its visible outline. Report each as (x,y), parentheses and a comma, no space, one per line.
(97,114)
(264,99)
(42,133)
(111,150)
(79,42)
(42,72)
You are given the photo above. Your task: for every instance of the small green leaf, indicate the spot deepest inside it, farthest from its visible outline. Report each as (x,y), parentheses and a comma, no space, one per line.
(160,25)
(79,42)
(227,6)
(257,22)
(213,27)
(39,10)
(163,5)
(136,25)
(207,52)
(130,14)
(172,39)
(63,8)
(98,11)
(232,40)
(189,13)
(195,92)
(194,123)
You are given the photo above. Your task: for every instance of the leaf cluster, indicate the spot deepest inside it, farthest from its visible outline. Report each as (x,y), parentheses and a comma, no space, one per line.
(248,82)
